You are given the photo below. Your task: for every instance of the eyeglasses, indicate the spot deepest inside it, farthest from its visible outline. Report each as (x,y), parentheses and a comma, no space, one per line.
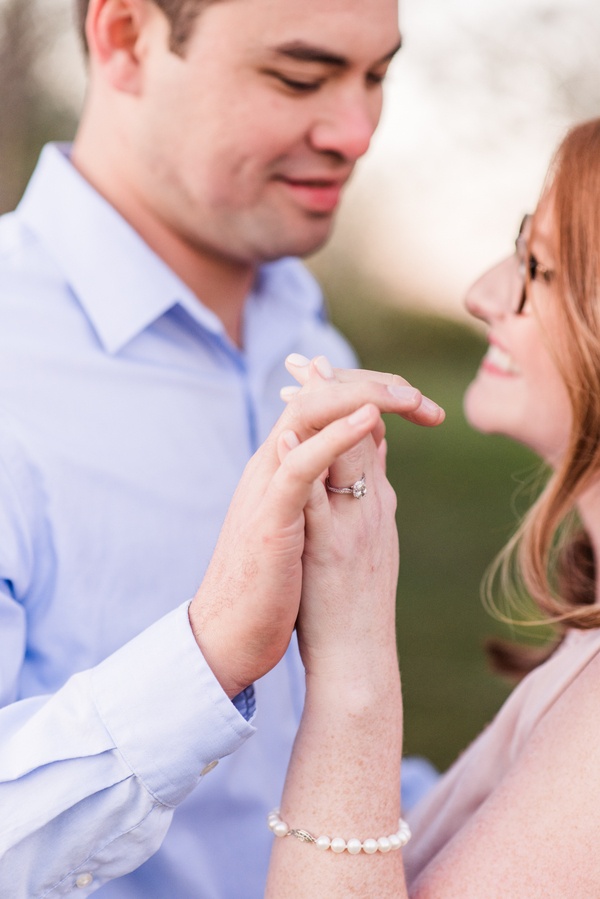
(529,267)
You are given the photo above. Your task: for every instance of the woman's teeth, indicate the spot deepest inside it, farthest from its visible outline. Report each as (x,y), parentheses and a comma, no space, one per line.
(500,359)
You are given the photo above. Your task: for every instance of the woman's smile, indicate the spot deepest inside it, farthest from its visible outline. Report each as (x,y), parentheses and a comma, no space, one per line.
(498,361)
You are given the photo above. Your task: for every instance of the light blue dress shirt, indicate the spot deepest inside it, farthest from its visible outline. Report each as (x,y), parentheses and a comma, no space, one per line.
(126,419)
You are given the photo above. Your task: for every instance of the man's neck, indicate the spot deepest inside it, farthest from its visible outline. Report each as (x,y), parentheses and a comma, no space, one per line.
(221,285)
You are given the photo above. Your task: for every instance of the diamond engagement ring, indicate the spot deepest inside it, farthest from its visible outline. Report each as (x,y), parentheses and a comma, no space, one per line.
(358,489)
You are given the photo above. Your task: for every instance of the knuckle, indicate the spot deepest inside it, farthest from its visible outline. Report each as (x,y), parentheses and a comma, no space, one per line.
(296,410)
(386,493)
(353,455)
(399,381)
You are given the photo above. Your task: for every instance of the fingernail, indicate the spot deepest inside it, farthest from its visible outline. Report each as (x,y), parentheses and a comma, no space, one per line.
(429,406)
(286,393)
(323,366)
(360,416)
(403,392)
(297,359)
(290,439)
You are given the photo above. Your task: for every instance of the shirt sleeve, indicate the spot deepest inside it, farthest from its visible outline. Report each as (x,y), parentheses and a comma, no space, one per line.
(90,776)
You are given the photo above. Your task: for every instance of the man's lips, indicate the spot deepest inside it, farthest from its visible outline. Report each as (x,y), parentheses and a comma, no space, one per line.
(315,194)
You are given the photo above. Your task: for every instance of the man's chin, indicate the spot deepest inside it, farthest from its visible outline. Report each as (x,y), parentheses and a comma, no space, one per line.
(301,244)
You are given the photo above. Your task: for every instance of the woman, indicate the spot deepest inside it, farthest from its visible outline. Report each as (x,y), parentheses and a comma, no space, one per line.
(519,814)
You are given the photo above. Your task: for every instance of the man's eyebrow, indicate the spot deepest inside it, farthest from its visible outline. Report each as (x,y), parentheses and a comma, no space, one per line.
(309,53)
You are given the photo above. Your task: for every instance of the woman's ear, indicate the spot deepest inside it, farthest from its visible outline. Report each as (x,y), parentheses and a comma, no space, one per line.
(114,29)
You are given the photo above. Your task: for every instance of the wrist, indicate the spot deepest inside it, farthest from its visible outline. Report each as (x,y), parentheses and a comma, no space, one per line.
(217,660)
(354,687)
(350,663)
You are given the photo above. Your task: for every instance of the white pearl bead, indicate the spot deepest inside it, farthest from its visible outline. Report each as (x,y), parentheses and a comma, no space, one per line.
(338,844)
(395,841)
(384,844)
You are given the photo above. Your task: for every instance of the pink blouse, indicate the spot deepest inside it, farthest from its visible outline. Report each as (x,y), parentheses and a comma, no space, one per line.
(479,770)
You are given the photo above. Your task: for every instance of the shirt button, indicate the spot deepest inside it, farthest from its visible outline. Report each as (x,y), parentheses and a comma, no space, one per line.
(83,880)
(209,768)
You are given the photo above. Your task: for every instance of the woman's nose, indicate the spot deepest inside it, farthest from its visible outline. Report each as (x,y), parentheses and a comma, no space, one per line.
(497,292)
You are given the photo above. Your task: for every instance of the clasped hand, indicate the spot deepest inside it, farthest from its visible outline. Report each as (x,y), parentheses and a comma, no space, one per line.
(283,529)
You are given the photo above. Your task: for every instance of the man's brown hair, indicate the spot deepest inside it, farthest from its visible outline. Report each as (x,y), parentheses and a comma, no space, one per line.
(181,15)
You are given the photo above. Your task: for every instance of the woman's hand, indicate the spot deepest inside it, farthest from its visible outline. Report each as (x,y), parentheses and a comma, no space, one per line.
(350,561)
(350,570)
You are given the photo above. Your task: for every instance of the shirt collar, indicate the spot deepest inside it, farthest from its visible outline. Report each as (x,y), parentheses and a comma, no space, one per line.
(121,284)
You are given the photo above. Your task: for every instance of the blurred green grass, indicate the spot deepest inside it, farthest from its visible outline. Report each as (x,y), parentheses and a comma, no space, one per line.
(456,508)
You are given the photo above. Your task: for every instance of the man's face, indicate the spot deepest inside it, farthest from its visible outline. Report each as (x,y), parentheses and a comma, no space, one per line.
(242,147)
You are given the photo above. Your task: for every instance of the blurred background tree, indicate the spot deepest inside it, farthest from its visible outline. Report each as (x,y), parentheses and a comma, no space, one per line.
(31,113)
(459,493)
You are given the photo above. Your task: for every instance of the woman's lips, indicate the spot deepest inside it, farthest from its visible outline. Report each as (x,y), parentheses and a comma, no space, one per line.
(498,361)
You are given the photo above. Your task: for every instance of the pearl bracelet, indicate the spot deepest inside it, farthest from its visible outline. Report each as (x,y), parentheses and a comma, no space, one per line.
(338,844)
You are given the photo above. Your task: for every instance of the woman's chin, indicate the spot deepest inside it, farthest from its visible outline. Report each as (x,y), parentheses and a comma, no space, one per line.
(485,416)
(477,411)
(541,431)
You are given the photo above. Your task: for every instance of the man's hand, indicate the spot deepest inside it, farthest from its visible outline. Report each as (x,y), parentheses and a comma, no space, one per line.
(245,610)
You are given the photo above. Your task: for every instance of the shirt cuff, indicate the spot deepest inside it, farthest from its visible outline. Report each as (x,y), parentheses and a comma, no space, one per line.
(245,703)
(165,710)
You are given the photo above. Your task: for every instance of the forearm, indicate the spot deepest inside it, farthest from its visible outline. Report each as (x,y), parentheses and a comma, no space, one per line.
(344,780)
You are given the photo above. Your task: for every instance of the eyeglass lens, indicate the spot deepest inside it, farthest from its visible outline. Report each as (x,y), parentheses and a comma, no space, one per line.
(525,261)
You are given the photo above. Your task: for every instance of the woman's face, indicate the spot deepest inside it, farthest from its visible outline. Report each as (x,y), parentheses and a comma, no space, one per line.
(518,390)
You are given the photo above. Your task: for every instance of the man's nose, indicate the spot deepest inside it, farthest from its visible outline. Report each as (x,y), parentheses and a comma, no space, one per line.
(496,293)
(346,128)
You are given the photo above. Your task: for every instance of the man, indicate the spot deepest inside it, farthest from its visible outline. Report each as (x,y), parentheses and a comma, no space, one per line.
(146,308)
